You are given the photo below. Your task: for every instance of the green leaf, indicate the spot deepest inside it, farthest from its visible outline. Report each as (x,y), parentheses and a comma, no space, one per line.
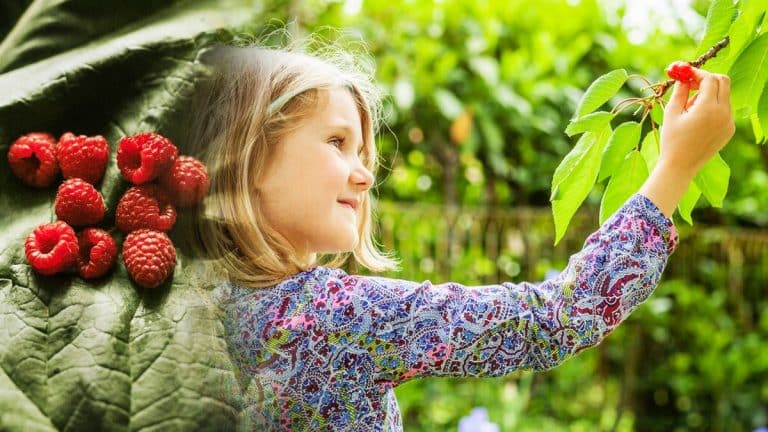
(449,105)
(743,29)
(688,203)
(657,114)
(762,117)
(600,91)
(720,15)
(25,415)
(712,179)
(103,354)
(575,177)
(624,183)
(623,139)
(650,149)
(748,76)
(591,122)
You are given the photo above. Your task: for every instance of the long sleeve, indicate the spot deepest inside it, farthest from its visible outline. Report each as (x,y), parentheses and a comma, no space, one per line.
(325,349)
(420,329)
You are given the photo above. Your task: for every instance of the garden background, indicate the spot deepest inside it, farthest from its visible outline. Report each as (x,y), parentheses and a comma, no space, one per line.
(480,94)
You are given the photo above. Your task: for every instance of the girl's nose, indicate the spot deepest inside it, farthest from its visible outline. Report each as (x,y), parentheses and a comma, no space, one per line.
(361,176)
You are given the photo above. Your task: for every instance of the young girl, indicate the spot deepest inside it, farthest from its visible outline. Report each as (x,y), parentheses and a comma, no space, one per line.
(292,156)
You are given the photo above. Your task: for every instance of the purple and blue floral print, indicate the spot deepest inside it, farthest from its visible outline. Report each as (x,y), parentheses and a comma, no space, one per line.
(323,350)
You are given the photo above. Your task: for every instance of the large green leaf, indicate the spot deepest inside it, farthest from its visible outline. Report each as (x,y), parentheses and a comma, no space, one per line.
(688,203)
(712,179)
(720,15)
(600,91)
(624,183)
(594,122)
(105,355)
(623,139)
(650,149)
(762,117)
(743,29)
(741,33)
(749,74)
(10,11)
(575,177)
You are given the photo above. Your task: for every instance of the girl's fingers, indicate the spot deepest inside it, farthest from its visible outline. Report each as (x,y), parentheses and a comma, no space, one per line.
(691,101)
(724,94)
(679,97)
(709,86)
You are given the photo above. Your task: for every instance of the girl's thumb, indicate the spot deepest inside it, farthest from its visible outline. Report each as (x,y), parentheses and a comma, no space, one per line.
(679,98)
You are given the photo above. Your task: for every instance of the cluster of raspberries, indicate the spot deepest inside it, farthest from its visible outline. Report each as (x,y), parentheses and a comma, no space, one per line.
(162,181)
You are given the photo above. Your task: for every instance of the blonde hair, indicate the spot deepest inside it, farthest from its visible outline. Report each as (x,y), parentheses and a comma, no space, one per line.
(254,97)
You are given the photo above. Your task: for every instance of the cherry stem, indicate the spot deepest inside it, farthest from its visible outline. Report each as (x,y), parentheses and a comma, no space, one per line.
(644,79)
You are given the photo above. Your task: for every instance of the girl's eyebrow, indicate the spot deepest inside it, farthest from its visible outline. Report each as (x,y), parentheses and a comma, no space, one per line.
(343,126)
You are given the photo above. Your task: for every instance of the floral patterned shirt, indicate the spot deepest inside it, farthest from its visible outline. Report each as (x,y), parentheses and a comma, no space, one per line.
(323,350)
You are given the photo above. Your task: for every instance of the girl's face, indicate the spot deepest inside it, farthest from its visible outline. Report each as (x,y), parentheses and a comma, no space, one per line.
(312,191)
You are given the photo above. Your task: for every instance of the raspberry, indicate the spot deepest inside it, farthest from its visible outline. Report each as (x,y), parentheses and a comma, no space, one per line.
(82,156)
(51,248)
(680,71)
(186,182)
(145,206)
(98,253)
(149,257)
(32,158)
(141,158)
(78,203)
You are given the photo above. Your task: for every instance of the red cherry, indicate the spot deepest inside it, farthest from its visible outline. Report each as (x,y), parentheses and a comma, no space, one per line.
(681,71)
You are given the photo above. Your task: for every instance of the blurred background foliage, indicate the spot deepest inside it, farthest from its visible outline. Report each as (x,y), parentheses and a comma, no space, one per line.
(479,96)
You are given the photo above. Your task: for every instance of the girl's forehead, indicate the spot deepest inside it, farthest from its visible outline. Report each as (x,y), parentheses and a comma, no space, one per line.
(336,107)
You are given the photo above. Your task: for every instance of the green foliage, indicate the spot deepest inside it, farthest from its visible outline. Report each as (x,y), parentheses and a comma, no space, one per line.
(712,180)
(746,61)
(749,73)
(624,139)
(629,176)
(104,355)
(575,177)
(600,91)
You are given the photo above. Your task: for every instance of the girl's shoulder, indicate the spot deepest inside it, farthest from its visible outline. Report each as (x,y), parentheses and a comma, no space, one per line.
(312,279)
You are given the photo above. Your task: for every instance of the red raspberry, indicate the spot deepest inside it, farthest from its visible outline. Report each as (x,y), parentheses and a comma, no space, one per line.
(145,206)
(51,248)
(32,158)
(78,203)
(142,157)
(149,257)
(186,182)
(98,253)
(681,71)
(82,156)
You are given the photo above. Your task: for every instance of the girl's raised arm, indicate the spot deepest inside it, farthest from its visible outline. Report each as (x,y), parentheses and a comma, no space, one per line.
(419,329)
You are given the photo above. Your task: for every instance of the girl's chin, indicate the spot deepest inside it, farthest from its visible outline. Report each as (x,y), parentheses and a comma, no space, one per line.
(342,247)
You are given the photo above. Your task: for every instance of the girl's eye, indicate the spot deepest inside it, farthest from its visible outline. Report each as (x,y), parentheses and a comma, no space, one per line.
(336,142)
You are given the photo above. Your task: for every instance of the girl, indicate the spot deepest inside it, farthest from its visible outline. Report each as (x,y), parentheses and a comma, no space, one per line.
(292,155)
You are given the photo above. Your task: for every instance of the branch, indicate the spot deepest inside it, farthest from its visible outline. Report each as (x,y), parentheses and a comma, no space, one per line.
(662,88)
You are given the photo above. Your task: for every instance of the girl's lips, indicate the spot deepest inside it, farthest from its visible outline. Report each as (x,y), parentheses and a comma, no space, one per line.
(351,203)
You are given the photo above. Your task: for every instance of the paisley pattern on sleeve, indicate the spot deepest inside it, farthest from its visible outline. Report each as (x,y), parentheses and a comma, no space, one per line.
(324,349)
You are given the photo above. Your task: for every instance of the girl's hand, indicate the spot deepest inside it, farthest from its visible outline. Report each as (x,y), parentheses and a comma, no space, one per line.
(694,130)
